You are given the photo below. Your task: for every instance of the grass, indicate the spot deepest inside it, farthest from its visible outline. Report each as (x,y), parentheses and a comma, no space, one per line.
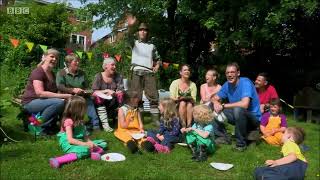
(29,160)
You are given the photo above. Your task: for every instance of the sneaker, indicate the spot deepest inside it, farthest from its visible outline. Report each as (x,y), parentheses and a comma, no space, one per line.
(107,128)
(254,135)
(239,148)
(132,146)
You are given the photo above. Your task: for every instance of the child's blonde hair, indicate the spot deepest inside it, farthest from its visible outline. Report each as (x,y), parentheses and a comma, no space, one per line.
(202,114)
(298,134)
(75,109)
(169,109)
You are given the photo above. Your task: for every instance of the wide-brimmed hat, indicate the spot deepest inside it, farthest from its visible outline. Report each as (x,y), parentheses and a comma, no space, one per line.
(143,26)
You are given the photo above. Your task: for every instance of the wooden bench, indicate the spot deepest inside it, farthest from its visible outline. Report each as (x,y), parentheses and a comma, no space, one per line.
(308,100)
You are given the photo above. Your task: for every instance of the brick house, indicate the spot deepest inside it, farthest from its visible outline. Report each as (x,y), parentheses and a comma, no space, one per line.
(77,40)
(117,34)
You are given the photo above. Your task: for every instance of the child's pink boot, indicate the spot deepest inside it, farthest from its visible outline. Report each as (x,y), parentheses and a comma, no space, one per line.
(150,139)
(58,161)
(161,149)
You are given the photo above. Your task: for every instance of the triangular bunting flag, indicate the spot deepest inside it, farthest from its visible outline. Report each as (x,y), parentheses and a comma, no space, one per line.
(176,66)
(30,45)
(118,57)
(14,42)
(165,65)
(43,47)
(89,55)
(79,54)
(68,50)
(105,55)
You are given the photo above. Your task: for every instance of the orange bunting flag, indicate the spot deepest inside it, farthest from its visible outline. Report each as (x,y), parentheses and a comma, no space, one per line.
(176,66)
(30,45)
(14,42)
(118,57)
(165,65)
(89,55)
(105,55)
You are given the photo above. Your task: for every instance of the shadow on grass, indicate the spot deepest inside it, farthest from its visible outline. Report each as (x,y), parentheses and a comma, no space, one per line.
(13,154)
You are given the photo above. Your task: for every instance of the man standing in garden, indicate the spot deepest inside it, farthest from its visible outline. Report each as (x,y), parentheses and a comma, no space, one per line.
(242,108)
(145,63)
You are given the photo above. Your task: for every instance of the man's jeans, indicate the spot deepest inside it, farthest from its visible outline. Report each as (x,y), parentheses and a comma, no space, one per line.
(91,111)
(49,108)
(244,122)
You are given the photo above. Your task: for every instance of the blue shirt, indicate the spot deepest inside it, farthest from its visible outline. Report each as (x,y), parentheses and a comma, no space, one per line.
(244,88)
(208,127)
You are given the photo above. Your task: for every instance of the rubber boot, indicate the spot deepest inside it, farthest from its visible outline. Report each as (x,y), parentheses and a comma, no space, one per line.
(132,146)
(150,139)
(103,116)
(59,161)
(96,153)
(194,151)
(148,146)
(161,148)
(203,153)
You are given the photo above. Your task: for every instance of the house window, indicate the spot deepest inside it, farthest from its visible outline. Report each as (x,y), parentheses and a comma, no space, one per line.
(77,39)
(113,38)
(81,40)
(74,39)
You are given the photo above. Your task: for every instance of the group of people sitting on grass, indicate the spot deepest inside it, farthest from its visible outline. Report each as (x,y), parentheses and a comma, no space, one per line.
(251,108)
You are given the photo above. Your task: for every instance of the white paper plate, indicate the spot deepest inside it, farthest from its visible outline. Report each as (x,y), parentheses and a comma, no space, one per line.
(138,135)
(221,166)
(113,157)
(182,144)
(102,95)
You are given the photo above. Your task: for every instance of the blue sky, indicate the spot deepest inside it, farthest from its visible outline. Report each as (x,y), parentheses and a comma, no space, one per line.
(97,33)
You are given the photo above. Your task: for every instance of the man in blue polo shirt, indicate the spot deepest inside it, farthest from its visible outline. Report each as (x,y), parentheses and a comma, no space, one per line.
(242,108)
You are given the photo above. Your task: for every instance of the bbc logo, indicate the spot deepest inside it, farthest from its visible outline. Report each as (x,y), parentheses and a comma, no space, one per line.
(17,10)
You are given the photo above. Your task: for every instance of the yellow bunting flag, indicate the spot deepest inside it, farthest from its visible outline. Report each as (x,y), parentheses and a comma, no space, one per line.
(30,45)
(43,47)
(89,55)
(14,42)
(79,54)
(165,65)
(118,57)
(176,66)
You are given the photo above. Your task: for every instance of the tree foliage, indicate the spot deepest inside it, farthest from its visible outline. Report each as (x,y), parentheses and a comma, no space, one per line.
(46,24)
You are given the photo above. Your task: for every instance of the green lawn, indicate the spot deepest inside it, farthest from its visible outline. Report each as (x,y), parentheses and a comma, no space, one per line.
(29,159)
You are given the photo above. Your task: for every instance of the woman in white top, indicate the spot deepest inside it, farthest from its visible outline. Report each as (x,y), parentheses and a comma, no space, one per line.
(210,88)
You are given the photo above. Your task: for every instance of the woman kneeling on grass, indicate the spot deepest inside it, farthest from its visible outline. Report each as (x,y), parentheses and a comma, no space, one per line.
(199,136)
(73,138)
